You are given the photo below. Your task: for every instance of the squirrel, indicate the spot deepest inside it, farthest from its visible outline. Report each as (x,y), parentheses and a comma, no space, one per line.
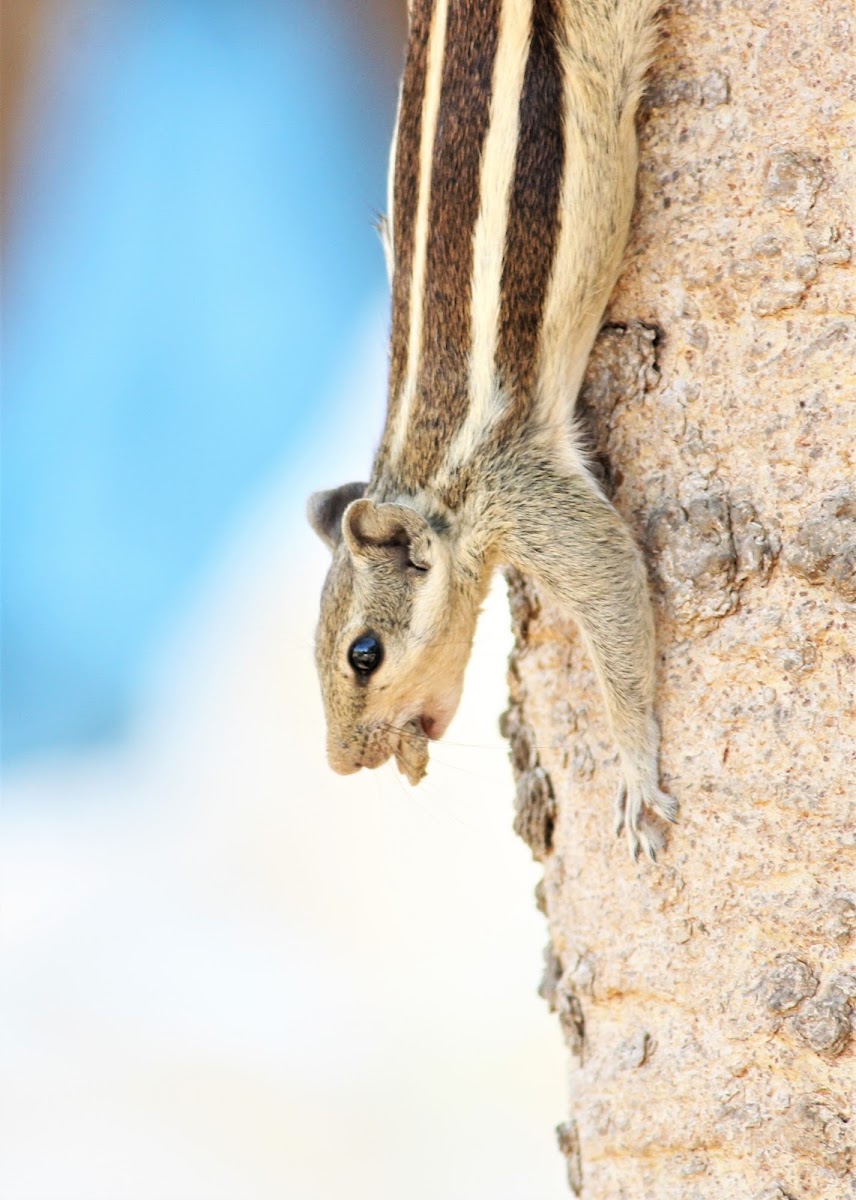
(511,185)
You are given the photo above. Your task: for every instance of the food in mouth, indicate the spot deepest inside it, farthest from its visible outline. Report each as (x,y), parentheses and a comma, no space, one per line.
(411,750)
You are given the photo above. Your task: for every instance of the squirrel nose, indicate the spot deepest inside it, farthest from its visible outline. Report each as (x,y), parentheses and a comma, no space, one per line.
(341,759)
(342,767)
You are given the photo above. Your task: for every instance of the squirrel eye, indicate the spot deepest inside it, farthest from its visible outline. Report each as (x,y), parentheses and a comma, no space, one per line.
(366,654)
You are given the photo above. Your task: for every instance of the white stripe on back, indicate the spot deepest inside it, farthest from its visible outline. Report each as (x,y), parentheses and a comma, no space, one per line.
(497,176)
(430,109)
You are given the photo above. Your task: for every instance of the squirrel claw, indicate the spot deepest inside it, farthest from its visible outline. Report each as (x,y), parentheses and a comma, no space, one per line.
(633,806)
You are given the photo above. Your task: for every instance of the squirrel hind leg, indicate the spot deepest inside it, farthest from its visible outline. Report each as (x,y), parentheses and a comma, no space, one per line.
(634,805)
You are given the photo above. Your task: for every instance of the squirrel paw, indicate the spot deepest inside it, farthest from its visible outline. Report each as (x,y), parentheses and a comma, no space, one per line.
(633,805)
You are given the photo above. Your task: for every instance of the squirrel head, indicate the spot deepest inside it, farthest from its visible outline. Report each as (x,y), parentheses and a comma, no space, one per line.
(395,632)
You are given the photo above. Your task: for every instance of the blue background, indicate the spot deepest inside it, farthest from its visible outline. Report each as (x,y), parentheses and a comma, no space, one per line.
(190,246)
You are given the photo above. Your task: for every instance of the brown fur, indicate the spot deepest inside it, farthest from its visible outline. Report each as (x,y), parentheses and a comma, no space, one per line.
(535,214)
(441,399)
(470,475)
(406,186)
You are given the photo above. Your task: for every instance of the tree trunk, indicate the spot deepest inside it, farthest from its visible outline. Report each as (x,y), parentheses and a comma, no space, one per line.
(708,1001)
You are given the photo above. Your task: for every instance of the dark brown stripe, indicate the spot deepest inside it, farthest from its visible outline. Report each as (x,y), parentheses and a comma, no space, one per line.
(406,188)
(534,215)
(441,400)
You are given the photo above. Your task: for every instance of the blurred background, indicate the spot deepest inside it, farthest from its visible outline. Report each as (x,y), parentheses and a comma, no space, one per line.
(226,972)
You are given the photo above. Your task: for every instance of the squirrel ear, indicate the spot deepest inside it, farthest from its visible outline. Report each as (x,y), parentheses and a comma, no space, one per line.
(374,532)
(324,510)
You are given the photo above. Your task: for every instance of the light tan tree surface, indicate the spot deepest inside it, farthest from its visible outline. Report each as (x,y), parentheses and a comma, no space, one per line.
(708,1002)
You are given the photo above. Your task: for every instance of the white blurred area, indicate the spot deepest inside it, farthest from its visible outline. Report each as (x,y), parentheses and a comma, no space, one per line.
(228,973)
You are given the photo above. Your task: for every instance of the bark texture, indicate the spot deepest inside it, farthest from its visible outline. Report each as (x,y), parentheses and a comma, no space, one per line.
(708,1002)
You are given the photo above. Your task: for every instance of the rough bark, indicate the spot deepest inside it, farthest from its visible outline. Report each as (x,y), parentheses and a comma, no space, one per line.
(708,1001)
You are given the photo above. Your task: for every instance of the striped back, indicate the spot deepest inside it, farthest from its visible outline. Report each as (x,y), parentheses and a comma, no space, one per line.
(493,94)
